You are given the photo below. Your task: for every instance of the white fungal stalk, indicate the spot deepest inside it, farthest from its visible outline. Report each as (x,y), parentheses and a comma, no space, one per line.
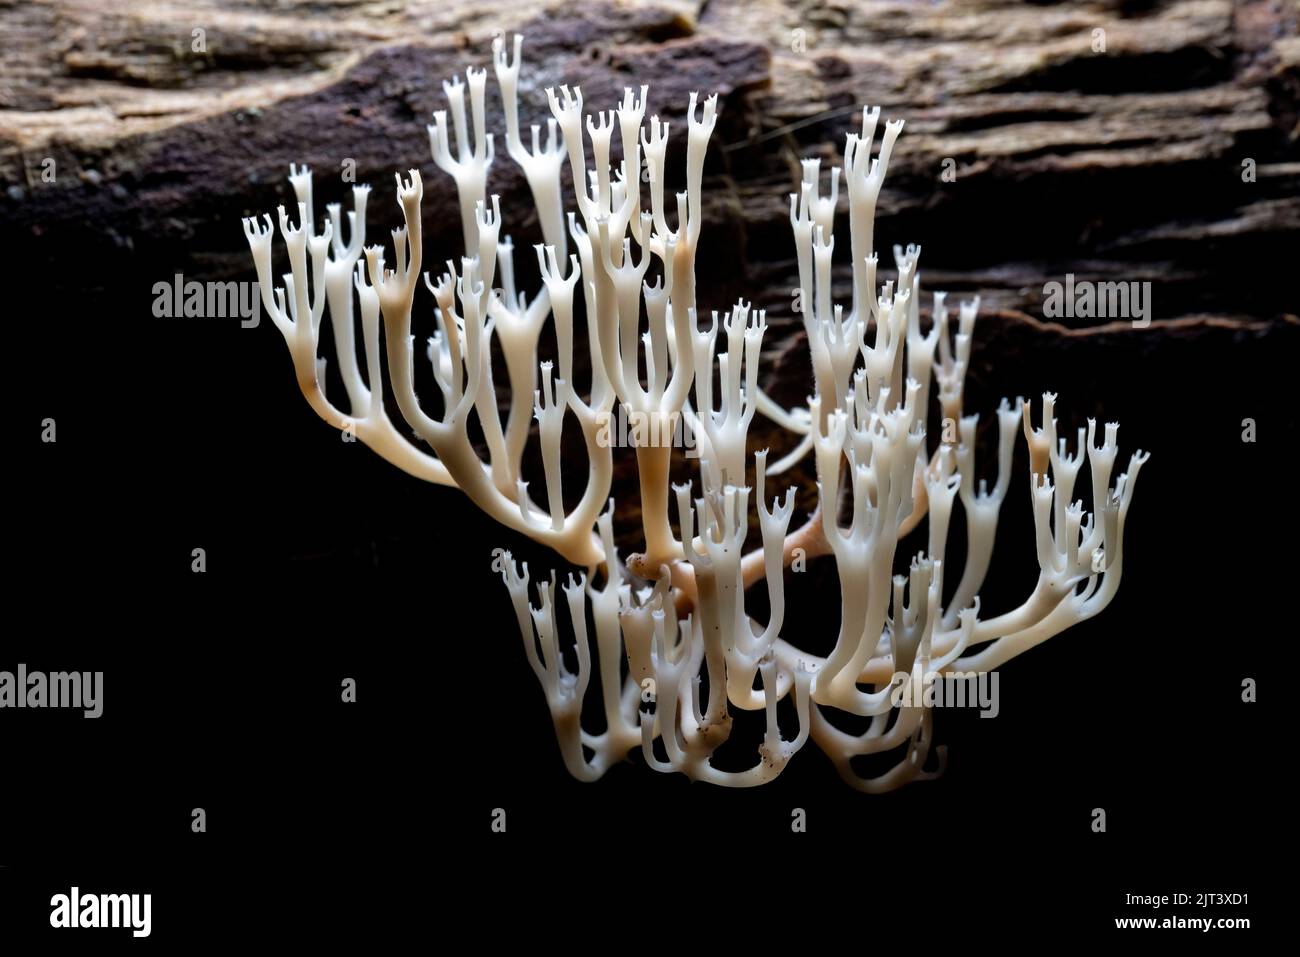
(676,653)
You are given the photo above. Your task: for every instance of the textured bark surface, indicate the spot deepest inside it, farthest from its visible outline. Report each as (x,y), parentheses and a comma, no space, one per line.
(1125,162)
(1117,165)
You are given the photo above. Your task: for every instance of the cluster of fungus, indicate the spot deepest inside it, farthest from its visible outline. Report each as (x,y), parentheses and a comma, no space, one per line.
(671,619)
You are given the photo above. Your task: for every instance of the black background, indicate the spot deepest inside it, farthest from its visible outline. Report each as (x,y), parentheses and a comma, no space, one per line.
(323,562)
